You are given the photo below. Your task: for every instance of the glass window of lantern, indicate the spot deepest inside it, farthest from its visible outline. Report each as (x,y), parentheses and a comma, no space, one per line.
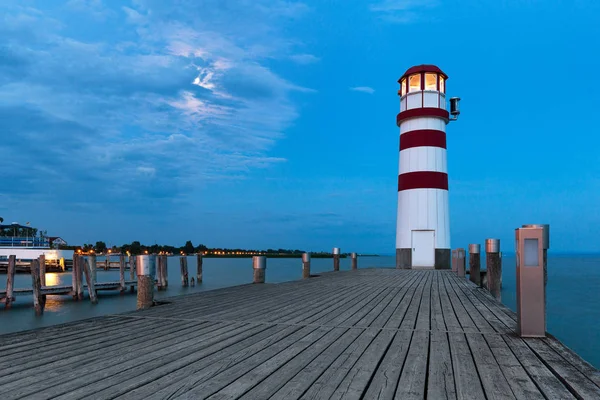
(431,82)
(414,83)
(403,87)
(442,84)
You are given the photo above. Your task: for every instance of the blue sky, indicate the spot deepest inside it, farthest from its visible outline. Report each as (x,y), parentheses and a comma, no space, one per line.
(254,123)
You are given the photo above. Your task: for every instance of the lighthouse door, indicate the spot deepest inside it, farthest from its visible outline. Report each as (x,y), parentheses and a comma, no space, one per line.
(423,249)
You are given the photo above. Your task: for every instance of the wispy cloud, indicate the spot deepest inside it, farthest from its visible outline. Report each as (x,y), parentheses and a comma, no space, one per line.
(402,11)
(180,95)
(304,58)
(364,89)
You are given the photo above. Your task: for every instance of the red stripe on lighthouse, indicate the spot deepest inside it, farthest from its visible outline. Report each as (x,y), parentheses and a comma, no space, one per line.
(423,137)
(423,180)
(422,112)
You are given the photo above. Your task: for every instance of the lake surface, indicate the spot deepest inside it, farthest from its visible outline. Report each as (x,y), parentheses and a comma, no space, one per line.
(573,293)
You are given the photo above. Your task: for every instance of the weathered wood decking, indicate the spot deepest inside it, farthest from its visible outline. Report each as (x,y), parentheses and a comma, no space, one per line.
(366,334)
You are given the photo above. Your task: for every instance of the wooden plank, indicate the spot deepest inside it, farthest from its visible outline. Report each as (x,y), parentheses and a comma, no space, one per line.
(463,317)
(389,311)
(90,378)
(493,381)
(424,314)
(543,378)
(575,381)
(298,384)
(359,375)
(170,380)
(414,374)
(399,314)
(328,382)
(276,371)
(467,383)
(29,373)
(520,383)
(583,366)
(10,281)
(387,375)
(440,376)
(279,351)
(412,313)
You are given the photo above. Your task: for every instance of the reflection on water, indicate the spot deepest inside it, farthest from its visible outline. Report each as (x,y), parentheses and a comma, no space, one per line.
(573,284)
(52,279)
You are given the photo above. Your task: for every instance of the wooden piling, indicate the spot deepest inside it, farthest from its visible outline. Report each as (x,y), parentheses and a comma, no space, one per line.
(74,279)
(80,263)
(107,263)
(199,268)
(494,267)
(184,271)
(61,262)
(305,265)
(165,271)
(93,267)
(42,260)
(10,281)
(122,272)
(145,290)
(131,272)
(259,266)
(336,258)
(89,278)
(461,262)
(192,282)
(475,264)
(38,304)
(354,260)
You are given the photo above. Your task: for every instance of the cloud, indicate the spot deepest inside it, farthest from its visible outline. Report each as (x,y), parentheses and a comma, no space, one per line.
(304,58)
(176,97)
(402,11)
(364,89)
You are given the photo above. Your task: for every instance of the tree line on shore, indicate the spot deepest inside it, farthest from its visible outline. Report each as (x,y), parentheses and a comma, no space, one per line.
(136,248)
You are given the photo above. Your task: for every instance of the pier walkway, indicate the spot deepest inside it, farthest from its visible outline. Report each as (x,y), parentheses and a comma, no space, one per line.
(365,334)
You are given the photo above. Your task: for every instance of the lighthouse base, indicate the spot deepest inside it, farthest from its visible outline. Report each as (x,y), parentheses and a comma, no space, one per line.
(442,259)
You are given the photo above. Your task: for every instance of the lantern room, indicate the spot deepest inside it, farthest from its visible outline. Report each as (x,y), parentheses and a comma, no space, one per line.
(422,86)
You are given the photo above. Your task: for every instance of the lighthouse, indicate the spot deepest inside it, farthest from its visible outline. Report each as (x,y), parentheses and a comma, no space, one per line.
(423,224)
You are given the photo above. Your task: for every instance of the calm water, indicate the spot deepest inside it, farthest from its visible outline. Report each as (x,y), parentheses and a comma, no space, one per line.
(573,293)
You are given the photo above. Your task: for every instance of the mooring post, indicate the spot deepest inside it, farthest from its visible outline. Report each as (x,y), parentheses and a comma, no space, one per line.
(89,278)
(132,268)
(184,272)
(122,272)
(336,258)
(199,268)
(354,260)
(146,268)
(80,265)
(92,262)
(42,260)
(475,264)
(61,262)
(165,271)
(259,265)
(10,280)
(159,280)
(35,281)
(107,264)
(305,265)
(460,262)
(74,276)
(493,262)
(532,245)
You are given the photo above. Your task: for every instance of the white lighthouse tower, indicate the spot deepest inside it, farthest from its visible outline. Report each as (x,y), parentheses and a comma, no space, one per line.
(423,226)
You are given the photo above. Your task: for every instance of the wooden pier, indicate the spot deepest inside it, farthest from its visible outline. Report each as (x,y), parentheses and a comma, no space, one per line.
(362,334)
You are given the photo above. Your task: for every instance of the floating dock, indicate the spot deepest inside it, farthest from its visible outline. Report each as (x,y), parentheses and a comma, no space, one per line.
(364,334)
